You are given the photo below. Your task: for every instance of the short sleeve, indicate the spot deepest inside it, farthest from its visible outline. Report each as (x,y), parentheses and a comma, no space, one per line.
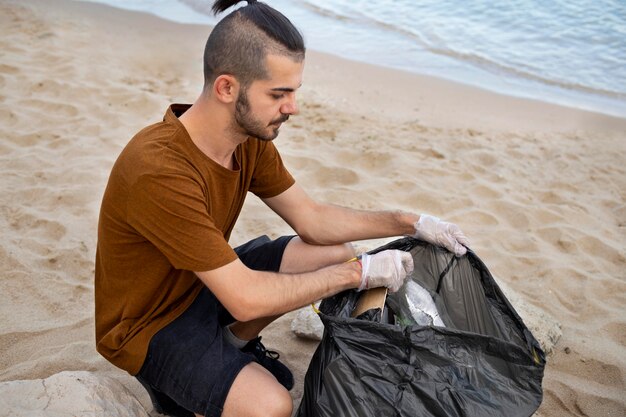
(170,211)
(270,176)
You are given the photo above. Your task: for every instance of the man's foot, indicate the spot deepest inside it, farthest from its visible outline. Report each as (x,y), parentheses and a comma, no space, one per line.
(269,360)
(163,404)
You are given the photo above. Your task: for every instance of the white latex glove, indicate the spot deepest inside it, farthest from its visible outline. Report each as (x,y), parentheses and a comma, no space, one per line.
(385,269)
(434,230)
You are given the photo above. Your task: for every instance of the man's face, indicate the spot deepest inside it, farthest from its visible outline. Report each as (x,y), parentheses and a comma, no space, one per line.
(266,104)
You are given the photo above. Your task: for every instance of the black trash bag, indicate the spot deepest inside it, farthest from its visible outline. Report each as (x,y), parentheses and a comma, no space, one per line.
(484,362)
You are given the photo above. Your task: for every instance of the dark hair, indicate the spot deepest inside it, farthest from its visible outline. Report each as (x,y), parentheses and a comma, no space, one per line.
(239,43)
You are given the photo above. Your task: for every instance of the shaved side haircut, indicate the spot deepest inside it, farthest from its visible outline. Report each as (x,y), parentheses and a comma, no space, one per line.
(240,42)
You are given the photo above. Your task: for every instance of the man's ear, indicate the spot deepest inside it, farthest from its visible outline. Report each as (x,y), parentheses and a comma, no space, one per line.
(226,88)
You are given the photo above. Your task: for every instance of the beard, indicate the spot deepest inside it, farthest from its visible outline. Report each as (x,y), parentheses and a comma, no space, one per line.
(252,126)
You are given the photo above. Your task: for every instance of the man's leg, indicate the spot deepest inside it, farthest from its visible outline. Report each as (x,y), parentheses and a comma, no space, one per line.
(256,393)
(298,257)
(246,397)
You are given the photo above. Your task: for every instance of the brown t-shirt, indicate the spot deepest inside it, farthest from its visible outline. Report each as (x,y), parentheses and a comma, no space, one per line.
(168,210)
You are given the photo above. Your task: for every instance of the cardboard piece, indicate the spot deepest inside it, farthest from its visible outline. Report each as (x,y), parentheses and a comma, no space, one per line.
(372,298)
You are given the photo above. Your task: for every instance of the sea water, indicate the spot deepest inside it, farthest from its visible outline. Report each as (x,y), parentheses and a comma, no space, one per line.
(566,52)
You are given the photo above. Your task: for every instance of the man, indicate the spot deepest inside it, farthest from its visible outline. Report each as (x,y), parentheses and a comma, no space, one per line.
(175,304)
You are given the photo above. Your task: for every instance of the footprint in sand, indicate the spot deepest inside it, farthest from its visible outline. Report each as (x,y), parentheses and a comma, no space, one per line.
(559,237)
(28,224)
(300,163)
(9,69)
(616,331)
(577,402)
(513,214)
(485,192)
(426,202)
(480,218)
(484,158)
(329,176)
(48,110)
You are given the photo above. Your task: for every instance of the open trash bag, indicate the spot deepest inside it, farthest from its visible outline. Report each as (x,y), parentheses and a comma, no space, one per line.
(447,344)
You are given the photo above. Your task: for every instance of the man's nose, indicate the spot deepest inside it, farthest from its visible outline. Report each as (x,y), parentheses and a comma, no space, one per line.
(290,107)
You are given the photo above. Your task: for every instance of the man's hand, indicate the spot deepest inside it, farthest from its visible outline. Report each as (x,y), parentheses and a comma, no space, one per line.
(432,229)
(385,269)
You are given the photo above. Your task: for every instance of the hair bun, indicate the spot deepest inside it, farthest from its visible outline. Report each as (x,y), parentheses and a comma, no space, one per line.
(221,5)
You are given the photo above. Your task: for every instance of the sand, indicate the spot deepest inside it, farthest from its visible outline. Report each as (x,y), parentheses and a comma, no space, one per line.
(539,189)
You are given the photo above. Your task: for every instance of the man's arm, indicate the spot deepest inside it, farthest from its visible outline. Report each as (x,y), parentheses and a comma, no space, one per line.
(248,294)
(326,224)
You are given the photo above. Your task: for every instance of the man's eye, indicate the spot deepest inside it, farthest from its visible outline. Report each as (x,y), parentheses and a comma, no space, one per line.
(277,96)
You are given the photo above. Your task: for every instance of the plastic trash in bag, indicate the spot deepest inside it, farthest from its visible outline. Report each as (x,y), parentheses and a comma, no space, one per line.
(413,304)
(447,344)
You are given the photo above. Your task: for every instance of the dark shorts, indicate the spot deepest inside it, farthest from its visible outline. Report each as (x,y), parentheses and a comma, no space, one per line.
(188,360)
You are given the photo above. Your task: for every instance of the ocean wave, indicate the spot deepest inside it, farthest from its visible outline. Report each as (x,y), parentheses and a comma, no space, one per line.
(437,45)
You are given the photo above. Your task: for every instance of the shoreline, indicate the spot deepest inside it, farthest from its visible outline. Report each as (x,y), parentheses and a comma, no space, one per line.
(472,106)
(516,88)
(538,188)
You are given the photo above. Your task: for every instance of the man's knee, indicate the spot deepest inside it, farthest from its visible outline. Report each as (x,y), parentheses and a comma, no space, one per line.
(280,406)
(256,393)
(273,403)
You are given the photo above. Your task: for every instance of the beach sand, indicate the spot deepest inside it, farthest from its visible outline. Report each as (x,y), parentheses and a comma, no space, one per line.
(539,189)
